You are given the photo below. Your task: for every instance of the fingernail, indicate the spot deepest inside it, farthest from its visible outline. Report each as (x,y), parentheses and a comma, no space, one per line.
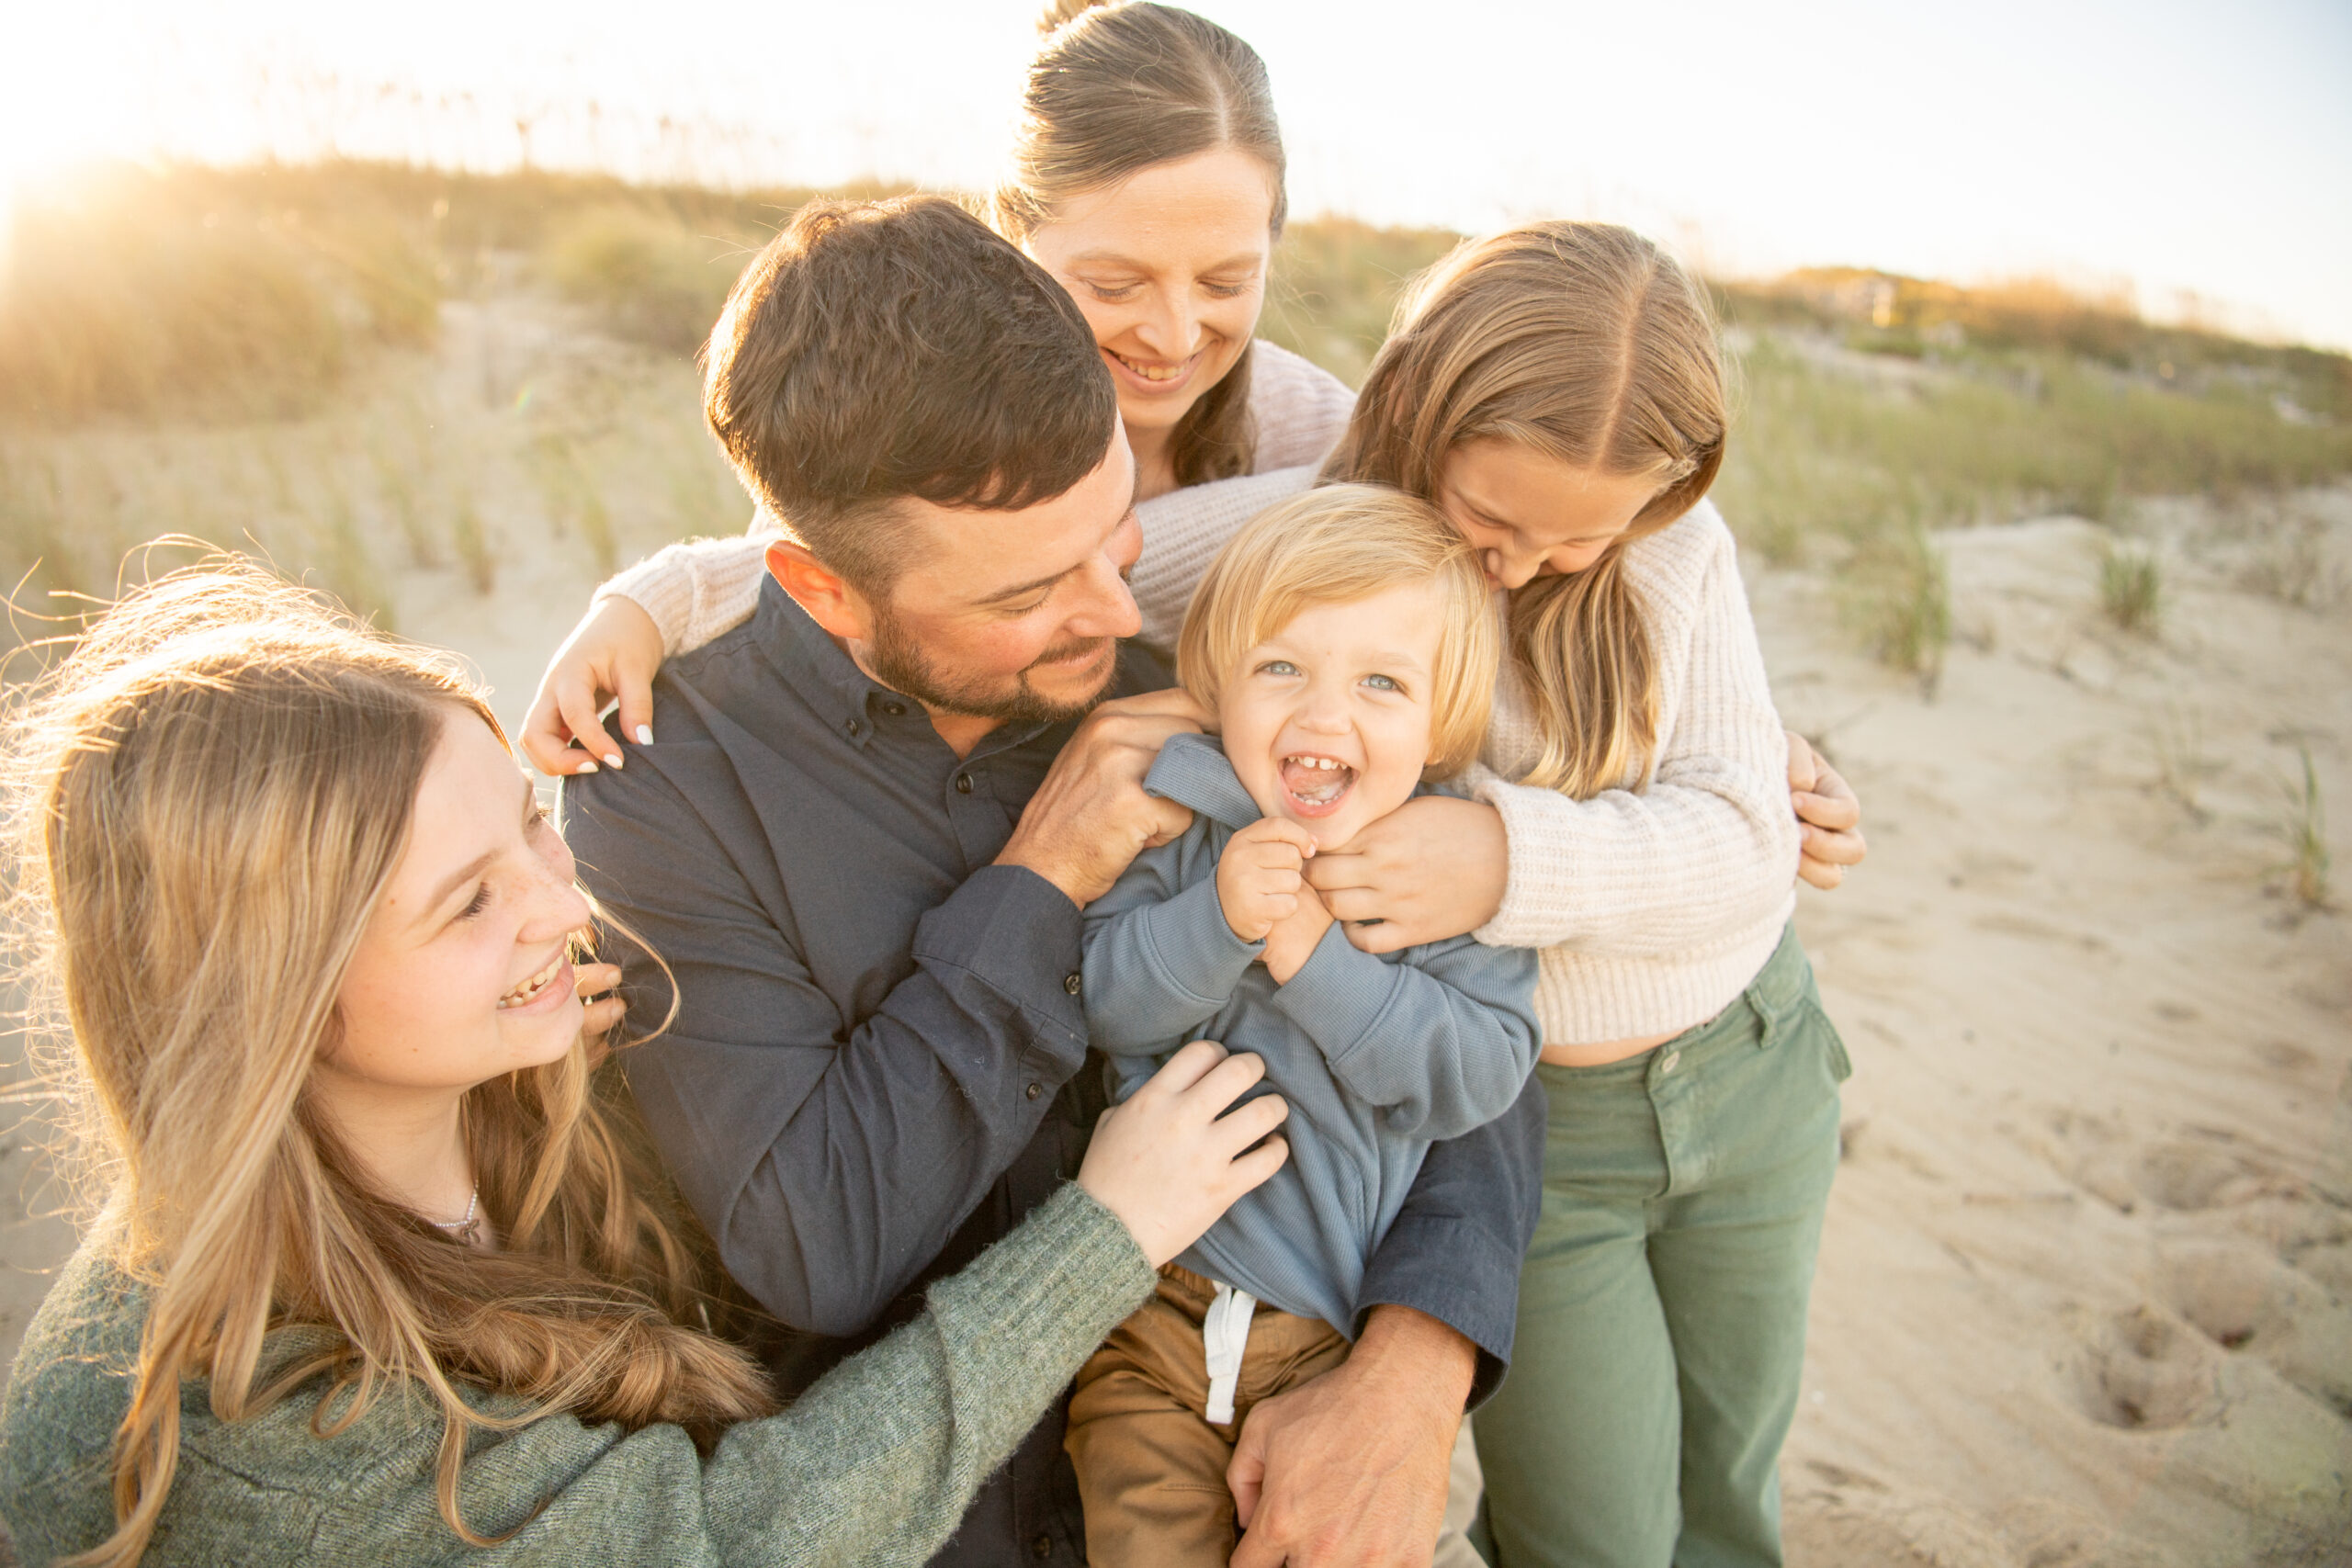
(583,768)
(645,735)
(613,758)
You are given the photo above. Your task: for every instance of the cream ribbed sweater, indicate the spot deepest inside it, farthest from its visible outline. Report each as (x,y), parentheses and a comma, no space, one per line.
(697,590)
(1654,905)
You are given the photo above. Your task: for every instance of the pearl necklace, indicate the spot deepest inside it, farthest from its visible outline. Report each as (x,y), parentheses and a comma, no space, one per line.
(463,1231)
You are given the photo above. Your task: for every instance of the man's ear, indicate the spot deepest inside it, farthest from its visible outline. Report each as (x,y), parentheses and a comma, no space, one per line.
(830,602)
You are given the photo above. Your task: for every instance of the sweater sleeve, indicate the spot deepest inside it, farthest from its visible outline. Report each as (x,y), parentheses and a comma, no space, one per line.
(698,590)
(1182,531)
(1709,847)
(875,1464)
(1443,1041)
(1160,959)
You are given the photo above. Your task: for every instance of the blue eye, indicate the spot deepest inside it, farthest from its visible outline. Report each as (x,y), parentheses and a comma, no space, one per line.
(1381,683)
(1278,667)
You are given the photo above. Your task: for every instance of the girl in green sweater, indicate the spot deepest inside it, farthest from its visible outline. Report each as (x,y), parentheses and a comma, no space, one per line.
(378,1274)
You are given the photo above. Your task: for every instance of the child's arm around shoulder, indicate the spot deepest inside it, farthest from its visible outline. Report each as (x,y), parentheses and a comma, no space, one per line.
(698,590)
(1161,959)
(1443,1037)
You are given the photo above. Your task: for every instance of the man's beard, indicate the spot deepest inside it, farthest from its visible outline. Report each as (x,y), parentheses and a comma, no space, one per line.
(898,664)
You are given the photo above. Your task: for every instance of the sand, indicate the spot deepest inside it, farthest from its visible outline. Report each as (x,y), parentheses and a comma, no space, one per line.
(2083,1295)
(2086,1293)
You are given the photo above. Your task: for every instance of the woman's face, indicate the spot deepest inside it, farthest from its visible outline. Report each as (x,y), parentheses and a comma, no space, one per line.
(463,972)
(1170,267)
(1529,513)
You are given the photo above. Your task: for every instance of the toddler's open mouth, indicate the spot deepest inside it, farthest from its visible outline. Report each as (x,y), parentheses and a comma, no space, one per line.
(1316,784)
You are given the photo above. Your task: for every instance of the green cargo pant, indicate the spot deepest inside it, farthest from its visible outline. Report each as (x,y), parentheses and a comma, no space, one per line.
(1661,1313)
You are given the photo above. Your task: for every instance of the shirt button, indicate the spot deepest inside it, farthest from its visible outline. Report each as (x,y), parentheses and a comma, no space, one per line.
(854,727)
(895,710)
(1043,1545)
(1071,982)
(963,783)
(1034,1091)
(1673,1060)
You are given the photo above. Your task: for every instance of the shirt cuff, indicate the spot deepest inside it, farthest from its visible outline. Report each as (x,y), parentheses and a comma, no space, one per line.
(1475,1294)
(1337,994)
(1194,948)
(1017,934)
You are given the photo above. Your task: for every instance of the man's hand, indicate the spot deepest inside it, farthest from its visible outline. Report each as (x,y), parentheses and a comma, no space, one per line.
(1350,1471)
(1091,816)
(1258,880)
(1828,816)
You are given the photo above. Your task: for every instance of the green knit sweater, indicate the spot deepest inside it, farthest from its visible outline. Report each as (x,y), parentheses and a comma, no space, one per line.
(875,1464)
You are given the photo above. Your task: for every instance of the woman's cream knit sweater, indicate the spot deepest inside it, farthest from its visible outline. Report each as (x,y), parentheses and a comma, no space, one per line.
(1654,904)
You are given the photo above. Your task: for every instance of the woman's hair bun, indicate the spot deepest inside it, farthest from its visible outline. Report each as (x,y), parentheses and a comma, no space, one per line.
(1059,14)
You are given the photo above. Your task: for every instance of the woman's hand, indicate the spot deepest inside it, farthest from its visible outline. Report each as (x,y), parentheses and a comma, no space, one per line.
(601,1009)
(1434,867)
(614,651)
(1171,1160)
(1828,814)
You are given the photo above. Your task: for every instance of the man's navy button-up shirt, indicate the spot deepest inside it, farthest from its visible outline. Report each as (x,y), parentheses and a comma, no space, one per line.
(874,1068)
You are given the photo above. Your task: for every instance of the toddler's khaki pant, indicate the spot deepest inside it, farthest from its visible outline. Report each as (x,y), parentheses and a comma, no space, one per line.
(1150,1467)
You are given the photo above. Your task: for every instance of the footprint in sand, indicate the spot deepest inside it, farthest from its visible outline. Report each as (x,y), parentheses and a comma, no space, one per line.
(2249,1302)
(1888,1529)
(2148,1369)
(2183,1174)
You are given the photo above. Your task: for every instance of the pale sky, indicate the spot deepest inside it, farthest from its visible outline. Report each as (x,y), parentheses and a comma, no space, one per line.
(2187,150)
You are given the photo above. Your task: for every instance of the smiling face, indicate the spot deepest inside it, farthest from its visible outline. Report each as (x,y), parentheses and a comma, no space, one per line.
(463,972)
(1007,616)
(1327,722)
(1529,513)
(1170,267)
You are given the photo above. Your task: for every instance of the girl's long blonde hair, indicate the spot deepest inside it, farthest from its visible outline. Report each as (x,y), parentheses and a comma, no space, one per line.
(1116,88)
(1589,344)
(211,792)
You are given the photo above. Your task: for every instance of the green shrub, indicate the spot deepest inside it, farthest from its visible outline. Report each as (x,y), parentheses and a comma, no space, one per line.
(2302,826)
(1896,593)
(2130,587)
(1335,286)
(181,294)
(649,277)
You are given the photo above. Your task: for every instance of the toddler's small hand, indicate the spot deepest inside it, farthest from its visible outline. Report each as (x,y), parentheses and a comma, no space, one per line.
(1258,880)
(1295,937)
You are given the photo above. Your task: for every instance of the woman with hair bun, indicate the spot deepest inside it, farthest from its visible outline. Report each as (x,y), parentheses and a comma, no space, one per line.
(1146,175)
(378,1270)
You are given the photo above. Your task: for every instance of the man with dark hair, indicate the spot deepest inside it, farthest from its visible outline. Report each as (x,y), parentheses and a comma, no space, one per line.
(864,842)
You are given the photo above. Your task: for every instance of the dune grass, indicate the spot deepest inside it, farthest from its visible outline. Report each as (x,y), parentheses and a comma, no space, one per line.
(651,277)
(2300,825)
(2130,587)
(1335,287)
(295,313)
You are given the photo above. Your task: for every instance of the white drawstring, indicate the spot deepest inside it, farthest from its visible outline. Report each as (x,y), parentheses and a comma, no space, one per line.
(1225,1332)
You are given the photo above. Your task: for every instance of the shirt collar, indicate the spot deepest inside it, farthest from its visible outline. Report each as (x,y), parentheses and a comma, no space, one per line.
(1193,771)
(830,681)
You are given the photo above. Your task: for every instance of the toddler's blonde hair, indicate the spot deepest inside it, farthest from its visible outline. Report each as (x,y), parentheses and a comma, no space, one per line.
(1334,546)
